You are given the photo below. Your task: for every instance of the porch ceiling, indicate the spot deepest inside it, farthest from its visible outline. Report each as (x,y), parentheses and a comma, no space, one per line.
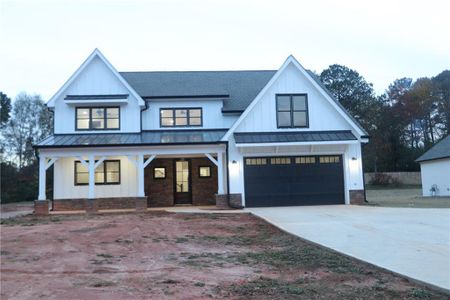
(160,137)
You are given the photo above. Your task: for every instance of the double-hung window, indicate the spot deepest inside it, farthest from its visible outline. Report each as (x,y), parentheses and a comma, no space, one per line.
(180,117)
(108,172)
(97,118)
(292,110)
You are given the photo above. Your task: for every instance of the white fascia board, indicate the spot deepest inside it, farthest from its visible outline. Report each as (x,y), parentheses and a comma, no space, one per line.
(244,145)
(95,53)
(289,60)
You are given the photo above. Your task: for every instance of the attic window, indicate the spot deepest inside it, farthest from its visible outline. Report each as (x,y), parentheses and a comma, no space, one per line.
(292,110)
(180,117)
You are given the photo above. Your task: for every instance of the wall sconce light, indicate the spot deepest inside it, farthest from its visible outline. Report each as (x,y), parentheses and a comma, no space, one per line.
(353,158)
(234,162)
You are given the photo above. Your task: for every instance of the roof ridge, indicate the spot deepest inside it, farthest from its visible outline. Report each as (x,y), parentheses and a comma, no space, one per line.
(197,71)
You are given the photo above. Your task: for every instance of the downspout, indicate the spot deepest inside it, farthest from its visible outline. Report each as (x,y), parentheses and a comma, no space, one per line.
(145,108)
(364,177)
(228,180)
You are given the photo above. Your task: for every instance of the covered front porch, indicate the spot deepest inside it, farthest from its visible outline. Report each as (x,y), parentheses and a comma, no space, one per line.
(95,179)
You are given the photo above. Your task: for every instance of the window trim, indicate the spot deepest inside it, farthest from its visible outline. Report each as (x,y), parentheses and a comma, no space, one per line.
(292,110)
(200,175)
(173,109)
(159,178)
(90,118)
(104,174)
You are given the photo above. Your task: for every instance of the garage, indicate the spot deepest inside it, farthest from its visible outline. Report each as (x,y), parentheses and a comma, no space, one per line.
(294,180)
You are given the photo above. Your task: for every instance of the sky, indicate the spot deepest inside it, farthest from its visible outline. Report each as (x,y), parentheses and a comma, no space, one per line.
(43,42)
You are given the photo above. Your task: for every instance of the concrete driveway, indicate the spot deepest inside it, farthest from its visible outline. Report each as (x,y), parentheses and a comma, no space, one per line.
(414,242)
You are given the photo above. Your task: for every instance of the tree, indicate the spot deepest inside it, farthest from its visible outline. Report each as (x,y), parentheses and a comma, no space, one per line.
(5,109)
(30,122)
(441,85)
(351,90)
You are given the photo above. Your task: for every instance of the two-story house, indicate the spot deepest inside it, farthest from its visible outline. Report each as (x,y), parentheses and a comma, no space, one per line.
(239,138)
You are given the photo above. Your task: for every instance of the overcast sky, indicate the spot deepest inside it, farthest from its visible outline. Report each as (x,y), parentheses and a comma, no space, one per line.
(43,42)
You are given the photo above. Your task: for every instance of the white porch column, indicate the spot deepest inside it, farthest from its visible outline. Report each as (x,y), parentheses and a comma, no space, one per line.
(140,169)
(91,194)
(220,189)
(42,178)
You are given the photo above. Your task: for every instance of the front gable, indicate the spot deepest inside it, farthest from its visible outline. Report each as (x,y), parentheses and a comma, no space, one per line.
(324,114)
(96,83)
(96,76)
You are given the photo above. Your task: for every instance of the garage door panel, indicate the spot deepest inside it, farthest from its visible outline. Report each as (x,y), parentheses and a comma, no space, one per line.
(311,180)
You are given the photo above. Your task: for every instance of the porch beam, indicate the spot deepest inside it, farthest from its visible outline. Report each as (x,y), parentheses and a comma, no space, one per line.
(98,163)
(50,162)
(83,162)
(149,160)
(212,158)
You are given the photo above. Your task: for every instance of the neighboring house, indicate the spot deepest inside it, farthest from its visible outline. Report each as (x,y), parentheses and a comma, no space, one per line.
(250,138)
(435,169)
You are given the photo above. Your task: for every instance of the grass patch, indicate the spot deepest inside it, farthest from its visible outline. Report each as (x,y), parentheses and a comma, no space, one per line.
(267,288)
(181,240)
(101,283)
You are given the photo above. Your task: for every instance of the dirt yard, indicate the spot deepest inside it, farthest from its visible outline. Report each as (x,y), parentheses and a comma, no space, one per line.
(183,256)
(404,197)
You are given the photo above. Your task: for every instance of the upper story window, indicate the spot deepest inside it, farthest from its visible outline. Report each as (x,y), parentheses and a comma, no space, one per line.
(292,110)
(97,118)
(180,117)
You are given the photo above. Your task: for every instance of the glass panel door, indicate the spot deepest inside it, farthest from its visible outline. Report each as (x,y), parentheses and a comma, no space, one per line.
(182,169)
(182,182)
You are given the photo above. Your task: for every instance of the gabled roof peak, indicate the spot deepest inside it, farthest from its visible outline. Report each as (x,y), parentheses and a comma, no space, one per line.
(95,53)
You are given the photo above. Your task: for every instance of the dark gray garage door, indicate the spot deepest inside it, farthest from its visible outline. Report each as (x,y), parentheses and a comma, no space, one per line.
(294,180)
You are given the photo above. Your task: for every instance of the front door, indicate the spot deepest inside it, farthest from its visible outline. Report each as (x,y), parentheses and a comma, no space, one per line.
(182,182)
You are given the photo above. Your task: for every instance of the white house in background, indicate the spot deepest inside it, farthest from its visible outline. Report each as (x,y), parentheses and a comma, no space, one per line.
(238,138)
(435,169)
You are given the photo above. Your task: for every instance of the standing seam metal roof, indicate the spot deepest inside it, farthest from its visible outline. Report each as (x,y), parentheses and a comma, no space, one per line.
(162,137)
(292,136)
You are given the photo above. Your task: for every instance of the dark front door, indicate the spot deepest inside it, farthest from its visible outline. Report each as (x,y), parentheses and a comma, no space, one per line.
(290,181)
(182,182)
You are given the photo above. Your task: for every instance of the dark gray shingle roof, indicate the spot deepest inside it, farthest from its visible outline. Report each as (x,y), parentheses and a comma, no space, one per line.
(160,137)
(290,136)
(241,87)
(438,151)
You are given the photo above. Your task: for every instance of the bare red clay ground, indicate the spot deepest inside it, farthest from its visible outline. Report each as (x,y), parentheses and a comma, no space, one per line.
(180,256)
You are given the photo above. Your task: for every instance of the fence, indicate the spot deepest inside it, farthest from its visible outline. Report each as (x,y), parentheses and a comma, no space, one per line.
(412,178)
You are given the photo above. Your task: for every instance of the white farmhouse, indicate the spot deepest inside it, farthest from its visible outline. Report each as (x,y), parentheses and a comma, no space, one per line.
(435,169)
(225,138)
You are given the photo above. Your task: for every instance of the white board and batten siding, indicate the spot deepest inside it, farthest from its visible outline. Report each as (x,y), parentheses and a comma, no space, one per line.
(212,117)
(322,116)
(64,182)
(96,79)
(436,172)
